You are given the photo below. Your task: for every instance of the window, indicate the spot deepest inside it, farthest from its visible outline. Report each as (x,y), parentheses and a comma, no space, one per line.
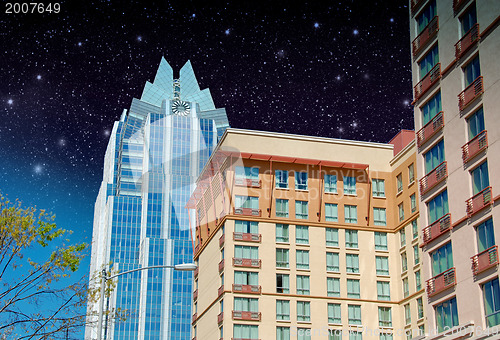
(331,212)
(378,187)
(382,265)
(303,285)
(411,173)
(246,252)
(282,258)
(383,291)
(475,123)
(300,180)
(431,109)
(404,262)
(333,286)
(472,71)
(406,287)
(386,336)
(247,227)
(332,237)
(352,263)
(491,292)
(413,203)
(354,314)
(420,308)
(468,20)
(303,311)
(402,237)
(407,314)
(380,241)
(485,235)
(303,334)
(302,259)
(428,62)
(282,233)
(282,333)
(379,216)
(246,304)
(246,278)
(480,178)
(416,255)
(331,184)
(353,290)
(427,14)
(248,202)
(349,185)
(301,210)
(283,283)
(332,262)
(442,259)
(438,207)
(350,214)
(414,228)
(302,234)
(434,156)
(447,315)
(282,310)
(351,238)
(245,332)
(281,179)
(355,335)
(334,313)
(418,280)
(247,172)
(399,180)
(401,212)
(384,317)
(281,208)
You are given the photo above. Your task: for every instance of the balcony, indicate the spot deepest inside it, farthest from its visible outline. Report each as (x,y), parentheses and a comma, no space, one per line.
(467,96)
(221,240)
(247,182)
(471,37)
(475,146)
(433,178)
(425,36)
(247,237)
(197,248)
(220,318)
(247,212)
(247,289)
(196,272)
(220,291)
(479,201)
(251,263)
(427,81)
(415,4)
(441,282)
(195,295)
(485,260)
(248,316)
(430,129)
(221,265)
(436,229)
(457,5)
(195,316)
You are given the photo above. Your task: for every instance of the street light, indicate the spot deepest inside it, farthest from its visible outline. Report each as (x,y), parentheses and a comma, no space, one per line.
(180,267)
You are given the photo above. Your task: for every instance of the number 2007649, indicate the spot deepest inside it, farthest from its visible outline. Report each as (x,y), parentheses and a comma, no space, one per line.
(31,7)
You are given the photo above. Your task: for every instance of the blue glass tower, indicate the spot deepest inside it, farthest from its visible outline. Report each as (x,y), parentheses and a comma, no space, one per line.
(154,156)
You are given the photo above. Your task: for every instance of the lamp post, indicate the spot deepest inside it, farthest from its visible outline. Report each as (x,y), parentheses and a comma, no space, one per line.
(105,278)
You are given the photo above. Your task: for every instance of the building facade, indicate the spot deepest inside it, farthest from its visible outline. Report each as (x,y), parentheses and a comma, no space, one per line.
(456,78)
(307,238)
(154,156)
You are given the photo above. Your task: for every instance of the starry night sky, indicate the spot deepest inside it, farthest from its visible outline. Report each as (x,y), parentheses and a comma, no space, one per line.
(326,68)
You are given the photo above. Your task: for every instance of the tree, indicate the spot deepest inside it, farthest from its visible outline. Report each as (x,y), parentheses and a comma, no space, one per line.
(35,301)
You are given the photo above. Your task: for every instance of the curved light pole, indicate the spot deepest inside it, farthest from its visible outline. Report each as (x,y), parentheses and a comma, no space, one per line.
(105,278)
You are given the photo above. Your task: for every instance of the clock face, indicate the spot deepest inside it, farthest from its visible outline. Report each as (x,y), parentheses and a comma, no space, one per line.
(180,108)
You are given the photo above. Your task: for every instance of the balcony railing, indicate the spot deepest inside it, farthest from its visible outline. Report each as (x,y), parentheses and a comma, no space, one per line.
(252,263)
(415,4)
(474,90)
(485,260)
(220,317)
(195,295)
(467,41)
(197,248)
(221,240)
(249,316)
(425,36)
(436,229)
(247,212)
(457,5)
(433,178)
(479,201)
(430,129)
(195,316)
(247,289)
(247,237)
(247,182)
(475,146)
(196,272)
(427,81)
(441,282)
(221,265)
(220,291)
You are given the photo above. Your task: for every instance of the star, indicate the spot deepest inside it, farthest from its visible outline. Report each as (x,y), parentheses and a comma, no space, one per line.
(194,15)
(10,101)
(337,77)
(39,77)
(316,25)
(38,169)
(355,32)
(391,19)
(79,43)
(227,31)
(139,38)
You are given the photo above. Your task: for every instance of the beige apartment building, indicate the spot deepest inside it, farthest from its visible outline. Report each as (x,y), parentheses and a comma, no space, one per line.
(456,78)
(303,237)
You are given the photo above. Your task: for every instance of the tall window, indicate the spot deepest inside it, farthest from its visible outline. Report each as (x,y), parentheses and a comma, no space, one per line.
(303,334)
(246,278)
(429,61)
(471,71)
(475,123)
(434,156)
(442,259)
(426,16)
(331,212)
(303,287)
(414,228)
(302,234)
(485,235)
(399,180)
(384,317)
(332,237)
(331,184)
(282,333)
(406,287)
(332,262)
(302,257)
(281,179)
(282,233)
(301,210)
(407,314)
(355,335)
(247,227)
(380,241)
(249,202)
(401,212)
(402,237)
(245,332)
(491,292)
(420,308)
(480,178)
(350,214)
(438,207)
(247,172)
(386,336)
(281,207)
(418,280)
(378,187)
(282,310)
(353,289)
(246,252)
(354,314)
(303,311)
(351,238)
(468,19)
(416,254)
(411,173)
(282,258)
(334,313)
(431,108)
(352,263)
(246,304)
(333,286)
(382,265)
(379,217)
(300,180)
(383,291)
(413,203)
(447,315)
(349,185)
(283,283)
(404,262)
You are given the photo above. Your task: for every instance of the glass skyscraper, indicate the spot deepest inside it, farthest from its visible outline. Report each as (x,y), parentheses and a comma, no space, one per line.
(154,156)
